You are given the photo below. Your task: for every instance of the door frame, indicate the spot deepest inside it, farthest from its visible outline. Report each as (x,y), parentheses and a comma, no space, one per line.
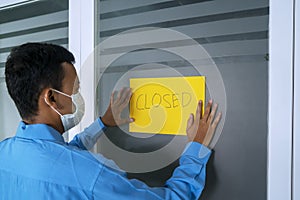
(82,45)
(280,117)
(296,113)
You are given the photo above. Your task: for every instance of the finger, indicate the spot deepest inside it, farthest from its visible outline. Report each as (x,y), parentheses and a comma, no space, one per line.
(124,95)
(207,110)
(127,99)
(120,96)
(190,121)
(198,112)
(201,110)
(212,114)
(217,120)
(211,130)
(112,97)
(209,136)
(189,128)
(126,121)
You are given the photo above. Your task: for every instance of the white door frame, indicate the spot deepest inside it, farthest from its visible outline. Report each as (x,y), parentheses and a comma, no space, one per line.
(81,44)
(296,120)
(280,100)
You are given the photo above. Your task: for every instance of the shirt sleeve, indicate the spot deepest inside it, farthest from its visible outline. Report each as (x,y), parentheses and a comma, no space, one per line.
(89,136)
(187,181)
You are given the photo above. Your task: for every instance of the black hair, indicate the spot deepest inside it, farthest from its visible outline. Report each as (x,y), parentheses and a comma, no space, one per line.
(29,69)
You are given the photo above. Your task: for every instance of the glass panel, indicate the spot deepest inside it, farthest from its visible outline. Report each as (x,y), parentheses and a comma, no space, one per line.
(37,21)
(226,41)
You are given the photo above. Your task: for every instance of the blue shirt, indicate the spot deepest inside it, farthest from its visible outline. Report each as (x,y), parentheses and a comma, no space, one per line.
(38,164)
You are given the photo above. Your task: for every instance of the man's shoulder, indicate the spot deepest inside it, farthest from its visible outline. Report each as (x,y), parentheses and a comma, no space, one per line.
(6,140)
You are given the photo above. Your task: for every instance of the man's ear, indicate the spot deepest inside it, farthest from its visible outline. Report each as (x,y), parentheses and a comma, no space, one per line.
(49,97)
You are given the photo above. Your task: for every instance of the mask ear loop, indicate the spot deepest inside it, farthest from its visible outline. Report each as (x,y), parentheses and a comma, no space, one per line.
(70,96)
(61,93)
(51,106)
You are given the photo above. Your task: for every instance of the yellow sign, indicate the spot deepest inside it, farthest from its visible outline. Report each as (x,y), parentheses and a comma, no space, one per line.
(163,105)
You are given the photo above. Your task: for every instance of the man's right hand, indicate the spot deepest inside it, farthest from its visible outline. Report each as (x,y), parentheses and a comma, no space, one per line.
(202,128)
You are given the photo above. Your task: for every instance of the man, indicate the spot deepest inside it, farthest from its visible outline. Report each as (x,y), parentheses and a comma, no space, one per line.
(38,164)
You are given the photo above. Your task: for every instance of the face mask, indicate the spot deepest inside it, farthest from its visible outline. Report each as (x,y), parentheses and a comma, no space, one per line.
(71,120)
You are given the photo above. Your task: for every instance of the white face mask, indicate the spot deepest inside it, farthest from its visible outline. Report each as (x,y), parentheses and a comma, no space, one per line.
(71,120)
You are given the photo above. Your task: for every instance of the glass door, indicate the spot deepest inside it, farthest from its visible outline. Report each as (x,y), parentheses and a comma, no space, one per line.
(225,41)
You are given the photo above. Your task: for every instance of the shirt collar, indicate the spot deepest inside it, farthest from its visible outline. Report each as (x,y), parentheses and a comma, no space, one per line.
(38,131)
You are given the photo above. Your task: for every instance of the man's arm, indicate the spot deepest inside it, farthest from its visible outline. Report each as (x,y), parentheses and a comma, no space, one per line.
(89,136)
(188,179)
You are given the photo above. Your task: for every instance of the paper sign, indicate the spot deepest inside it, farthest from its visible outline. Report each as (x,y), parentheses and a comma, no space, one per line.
(163,105)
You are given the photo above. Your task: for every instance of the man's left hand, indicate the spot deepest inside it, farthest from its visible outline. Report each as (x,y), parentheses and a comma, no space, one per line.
(112,116)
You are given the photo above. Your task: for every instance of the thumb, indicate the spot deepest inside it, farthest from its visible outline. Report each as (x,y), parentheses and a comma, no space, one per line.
(126,121)
(190,121)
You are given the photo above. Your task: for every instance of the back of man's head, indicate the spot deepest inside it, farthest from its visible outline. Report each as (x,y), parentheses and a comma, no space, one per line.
(29,69)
